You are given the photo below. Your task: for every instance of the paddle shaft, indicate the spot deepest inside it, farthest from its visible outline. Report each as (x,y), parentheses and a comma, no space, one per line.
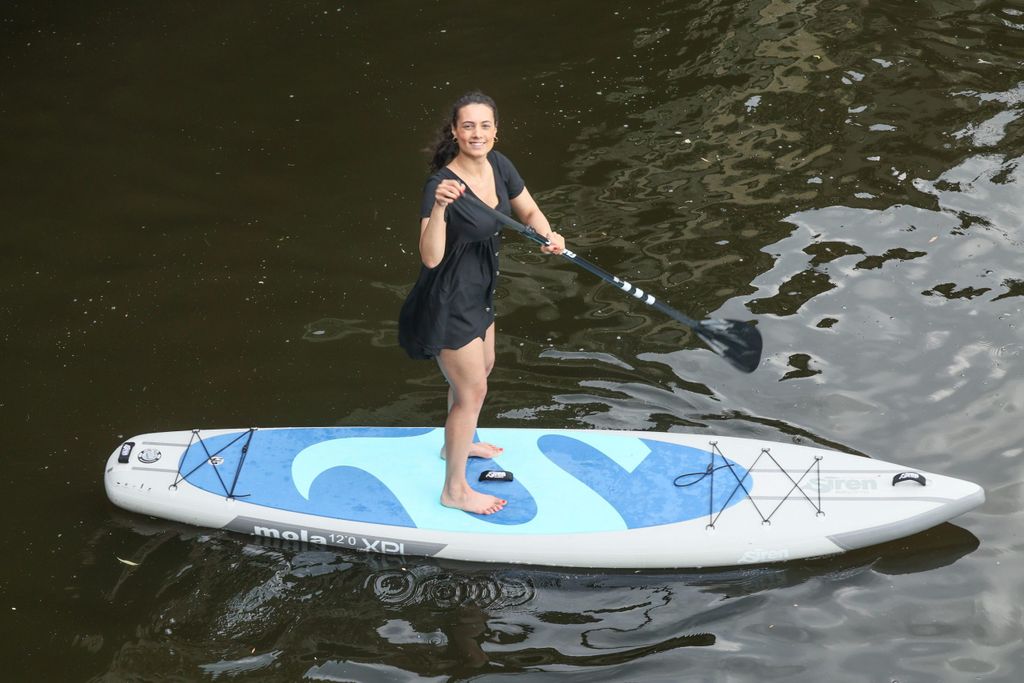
(625,286)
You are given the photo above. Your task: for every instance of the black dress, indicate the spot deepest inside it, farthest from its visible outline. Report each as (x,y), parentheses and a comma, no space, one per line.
(453,303)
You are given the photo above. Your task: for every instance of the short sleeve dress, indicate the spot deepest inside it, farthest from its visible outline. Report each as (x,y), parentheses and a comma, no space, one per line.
(453,303)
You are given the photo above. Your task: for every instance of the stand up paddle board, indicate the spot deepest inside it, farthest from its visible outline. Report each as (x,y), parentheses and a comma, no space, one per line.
(576,498)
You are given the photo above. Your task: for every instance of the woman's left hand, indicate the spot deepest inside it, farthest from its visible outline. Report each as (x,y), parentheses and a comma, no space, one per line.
(557,245)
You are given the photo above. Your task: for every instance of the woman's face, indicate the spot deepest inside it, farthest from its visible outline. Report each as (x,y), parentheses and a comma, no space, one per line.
(475,129)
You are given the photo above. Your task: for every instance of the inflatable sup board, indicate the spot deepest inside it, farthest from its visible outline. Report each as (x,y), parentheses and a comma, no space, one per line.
(576,498)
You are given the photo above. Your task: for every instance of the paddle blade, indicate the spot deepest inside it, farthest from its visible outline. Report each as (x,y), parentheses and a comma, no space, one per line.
(737,342)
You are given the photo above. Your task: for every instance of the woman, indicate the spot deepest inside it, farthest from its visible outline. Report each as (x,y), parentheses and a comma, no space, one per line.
(449,314)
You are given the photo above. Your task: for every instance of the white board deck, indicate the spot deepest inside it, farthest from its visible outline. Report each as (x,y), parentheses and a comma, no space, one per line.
(579,498)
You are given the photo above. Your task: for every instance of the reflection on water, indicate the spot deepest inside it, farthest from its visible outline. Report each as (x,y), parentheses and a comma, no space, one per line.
(209,220)
(416,585)
(288,608)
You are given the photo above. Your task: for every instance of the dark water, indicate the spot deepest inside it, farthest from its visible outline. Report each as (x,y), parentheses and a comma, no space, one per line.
(208,218)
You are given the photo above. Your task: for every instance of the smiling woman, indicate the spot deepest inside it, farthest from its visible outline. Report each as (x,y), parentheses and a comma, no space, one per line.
(449,314)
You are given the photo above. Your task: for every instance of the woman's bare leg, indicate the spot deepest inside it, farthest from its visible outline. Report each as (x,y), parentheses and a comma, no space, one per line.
(480,449)
(466,371)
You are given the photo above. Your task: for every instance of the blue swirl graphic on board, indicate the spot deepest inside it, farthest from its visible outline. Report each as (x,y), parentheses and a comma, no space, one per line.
(587,481)
(646,495)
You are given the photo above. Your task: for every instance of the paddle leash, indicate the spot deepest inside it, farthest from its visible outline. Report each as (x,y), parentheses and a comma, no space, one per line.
(736,341)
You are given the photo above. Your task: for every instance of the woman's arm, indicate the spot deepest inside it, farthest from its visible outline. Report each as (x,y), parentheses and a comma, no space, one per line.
(432,228)
(528,212)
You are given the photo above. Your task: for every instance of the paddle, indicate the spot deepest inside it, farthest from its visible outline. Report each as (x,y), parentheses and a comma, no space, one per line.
(736,341)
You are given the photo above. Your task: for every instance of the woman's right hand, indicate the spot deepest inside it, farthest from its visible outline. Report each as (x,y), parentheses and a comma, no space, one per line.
(447,192)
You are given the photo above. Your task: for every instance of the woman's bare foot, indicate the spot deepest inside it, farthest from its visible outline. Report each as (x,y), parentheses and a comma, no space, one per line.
(481,450)
(473,501)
